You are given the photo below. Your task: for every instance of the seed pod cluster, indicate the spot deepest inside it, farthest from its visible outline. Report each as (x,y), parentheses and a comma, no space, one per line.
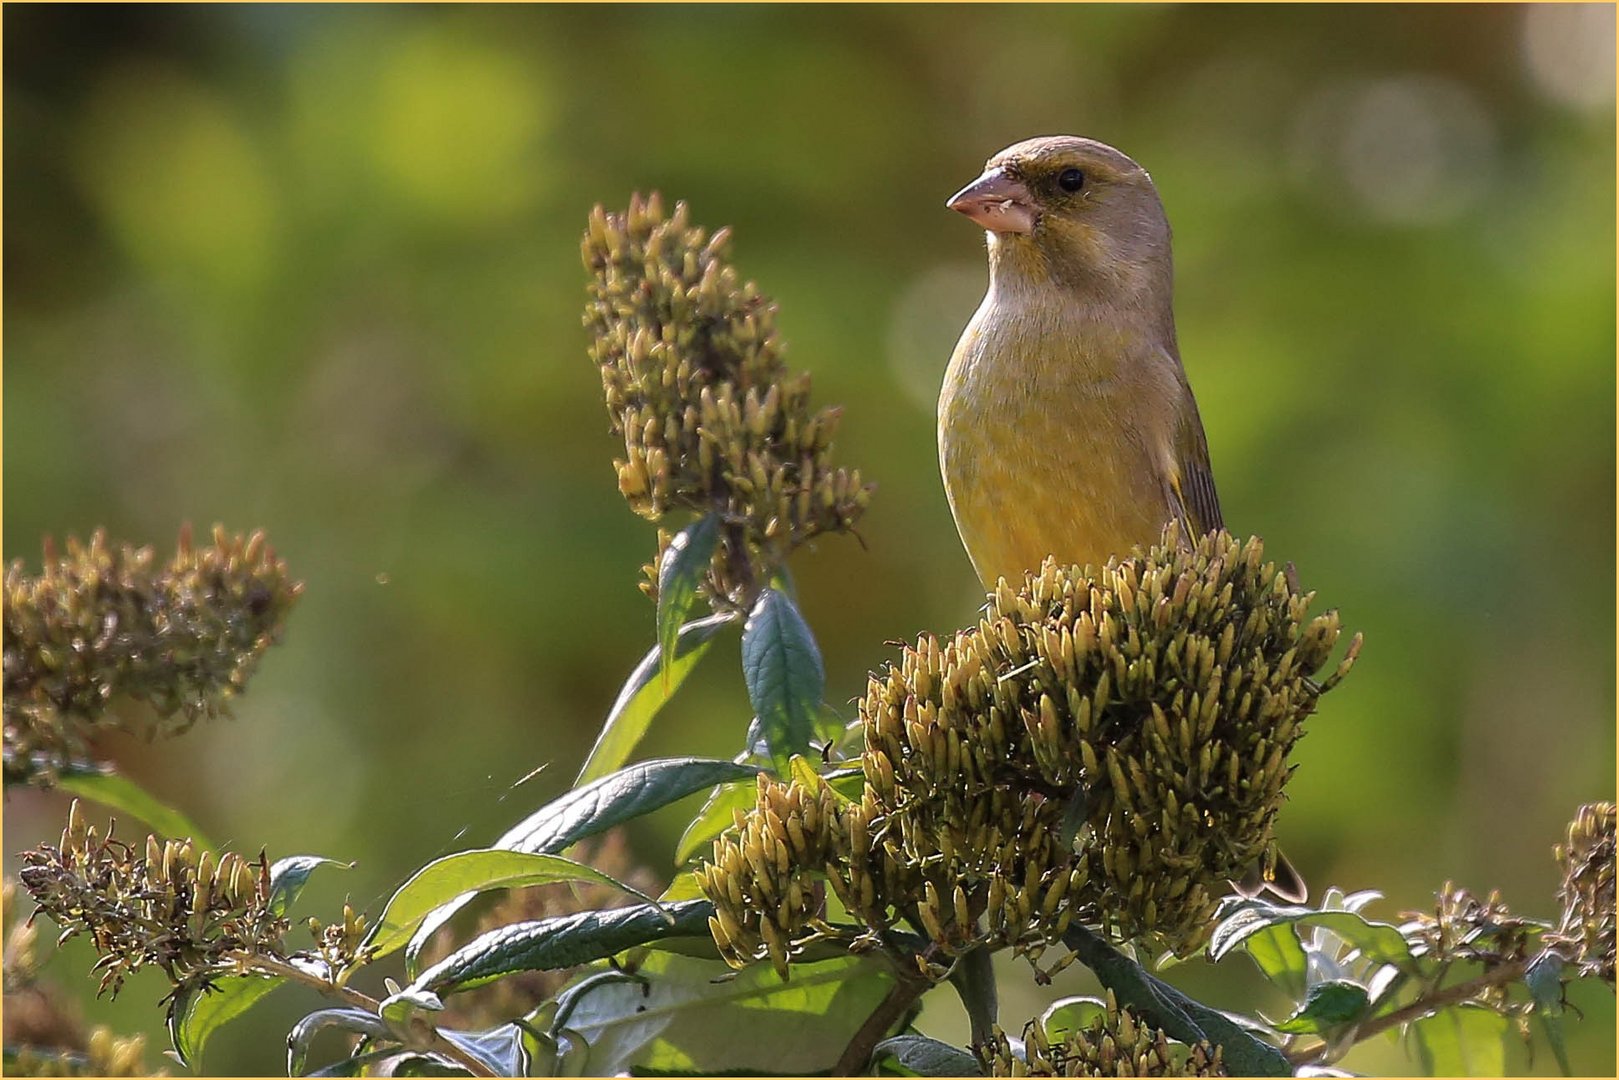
(1587,892)
(102,622)
(1464,928)
(167,905)
(694,380)
(1106,744)
(1115,1043)
(762,878)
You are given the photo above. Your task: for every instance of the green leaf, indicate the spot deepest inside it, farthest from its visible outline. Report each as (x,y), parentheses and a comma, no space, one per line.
(848,785)
(1067,1015)
(356,1020)
(1377,941)
(715,817)
(1465,1040)
(1181,1017)
(467,873)
(500,1048)
(564,941)
(800,769)
(289,876)
(918,1055)
(782,666)
(626,794)
(644,693)
(678,1014)
(397,1010)
(1330,1006)
(121,793)
(595,808)
(384,1062)
(198,1014)
(684,565)
(1074,816)
(1545,982)
(1278,953)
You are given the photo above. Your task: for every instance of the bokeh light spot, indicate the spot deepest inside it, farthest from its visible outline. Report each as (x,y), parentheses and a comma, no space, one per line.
(1410,149)
(458,127)
(181,182)
(926,320)
(1569,51)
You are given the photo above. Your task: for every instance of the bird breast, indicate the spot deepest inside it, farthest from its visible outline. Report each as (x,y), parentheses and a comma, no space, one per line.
(1051,422)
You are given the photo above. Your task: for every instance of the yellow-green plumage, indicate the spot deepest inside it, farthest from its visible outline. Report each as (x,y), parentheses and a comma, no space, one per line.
(1066,425)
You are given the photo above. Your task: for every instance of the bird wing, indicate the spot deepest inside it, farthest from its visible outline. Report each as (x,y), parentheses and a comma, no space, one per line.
(1191,478)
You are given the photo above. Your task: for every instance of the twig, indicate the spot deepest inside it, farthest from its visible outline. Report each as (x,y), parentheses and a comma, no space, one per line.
(858,1053)
(437,1043)
(1424,1006)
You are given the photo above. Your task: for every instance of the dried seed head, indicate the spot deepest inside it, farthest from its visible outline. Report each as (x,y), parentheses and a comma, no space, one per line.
(102,622)
(1587,856)
(1115,1043)
(695,383)
(1162,692)
(762,878)
(166,907)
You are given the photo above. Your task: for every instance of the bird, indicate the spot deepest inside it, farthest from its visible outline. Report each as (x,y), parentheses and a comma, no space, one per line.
(1067,426)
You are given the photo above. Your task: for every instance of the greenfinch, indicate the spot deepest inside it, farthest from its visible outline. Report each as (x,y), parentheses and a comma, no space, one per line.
(1066,424)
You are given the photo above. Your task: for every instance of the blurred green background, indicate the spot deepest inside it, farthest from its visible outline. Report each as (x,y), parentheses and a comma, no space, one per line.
(315,269)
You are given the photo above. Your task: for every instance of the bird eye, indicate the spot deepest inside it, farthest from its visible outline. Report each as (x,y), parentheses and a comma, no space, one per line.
(1071,180)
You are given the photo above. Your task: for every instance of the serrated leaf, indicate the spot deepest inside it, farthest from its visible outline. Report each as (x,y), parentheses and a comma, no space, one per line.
(1329,1007)
(468,873)
(715,817)
(677,1014)
(782,667)
(563,941)
(356,1020)
(197,1014)
(918,1055)
(289,876)
(684,565)
(120,793)
(1377,941)
(1545,982)
(644,693)
(592,809)
(1464,1040)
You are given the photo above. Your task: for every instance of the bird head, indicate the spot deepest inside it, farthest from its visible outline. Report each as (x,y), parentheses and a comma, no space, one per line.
(1070,210)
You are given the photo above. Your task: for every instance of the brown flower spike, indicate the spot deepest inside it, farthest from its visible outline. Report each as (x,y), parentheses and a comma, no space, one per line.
(711,417)
(1108,745)
(104,622)
(1115,1043)
(1587,892)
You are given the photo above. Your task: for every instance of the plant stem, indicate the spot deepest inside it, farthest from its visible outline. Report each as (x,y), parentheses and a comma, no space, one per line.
(858,1053)
(437,1043)
(1423,1006)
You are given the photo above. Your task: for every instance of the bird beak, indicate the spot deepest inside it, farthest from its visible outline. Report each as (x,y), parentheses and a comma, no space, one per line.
(996,202)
